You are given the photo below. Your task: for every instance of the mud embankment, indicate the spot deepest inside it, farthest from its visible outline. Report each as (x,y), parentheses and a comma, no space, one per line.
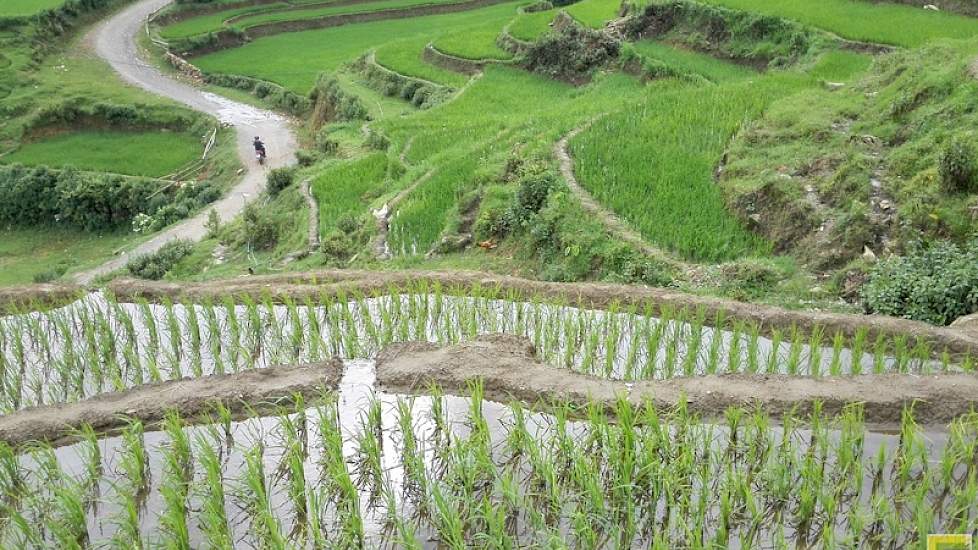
(34,297)
(193,398)
(510,370)
(189,11)
(432,55)
(332,283)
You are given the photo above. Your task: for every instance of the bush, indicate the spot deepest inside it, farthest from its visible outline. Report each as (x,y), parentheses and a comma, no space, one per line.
(936,283)
(535,184)
(259,230)
(156,265)
(279,179)
(571,53)
(347,223)
(958,166)
(51,274)
(337,245)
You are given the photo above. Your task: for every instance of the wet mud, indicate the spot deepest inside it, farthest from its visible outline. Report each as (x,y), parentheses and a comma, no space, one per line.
(246,391)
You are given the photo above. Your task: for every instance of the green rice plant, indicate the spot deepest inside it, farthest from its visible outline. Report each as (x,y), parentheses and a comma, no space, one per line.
(896,24)
(175,487)
(255,499)
(213,514)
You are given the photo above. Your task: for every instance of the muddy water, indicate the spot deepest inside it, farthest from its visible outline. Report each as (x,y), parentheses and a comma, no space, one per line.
(355,395)
(95,345)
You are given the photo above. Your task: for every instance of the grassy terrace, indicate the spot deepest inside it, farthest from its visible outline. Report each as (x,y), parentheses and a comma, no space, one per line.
(20,8)
(881,22)
(474,44)
(270,57)
(686,61)
(152,154)
(404,57)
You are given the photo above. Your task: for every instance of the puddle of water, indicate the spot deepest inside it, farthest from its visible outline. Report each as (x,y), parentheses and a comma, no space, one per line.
(445,454)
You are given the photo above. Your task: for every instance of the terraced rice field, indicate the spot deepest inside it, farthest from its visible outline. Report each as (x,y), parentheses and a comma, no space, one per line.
(147,154)
(358,464)
(879,22)
(21,8)
(328,49)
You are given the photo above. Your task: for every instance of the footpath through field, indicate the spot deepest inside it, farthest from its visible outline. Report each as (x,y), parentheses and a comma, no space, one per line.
(115,41)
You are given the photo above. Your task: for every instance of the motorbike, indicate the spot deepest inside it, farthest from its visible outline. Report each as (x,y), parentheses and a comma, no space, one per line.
(260,156)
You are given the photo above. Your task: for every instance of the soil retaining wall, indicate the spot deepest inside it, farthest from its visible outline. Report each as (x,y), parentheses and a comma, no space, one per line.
(510,370)
(193,398)
(450,62)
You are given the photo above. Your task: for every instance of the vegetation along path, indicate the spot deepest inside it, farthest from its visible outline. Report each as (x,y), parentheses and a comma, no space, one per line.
(115,41)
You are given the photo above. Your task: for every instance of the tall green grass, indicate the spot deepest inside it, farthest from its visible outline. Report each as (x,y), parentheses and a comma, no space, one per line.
(594,13)
(340,188)
(20,8)
(881,22)
(690,62)
(653,164)
(532,25)
(474,44)
(153,154)
(404,57)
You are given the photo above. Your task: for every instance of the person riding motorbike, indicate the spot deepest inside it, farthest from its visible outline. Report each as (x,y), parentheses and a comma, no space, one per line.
(259,148)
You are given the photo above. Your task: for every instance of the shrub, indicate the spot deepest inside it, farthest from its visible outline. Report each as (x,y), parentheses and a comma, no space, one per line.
(259,230)
(535,184)
(936,283)
(51,274)
(305,158)
(347,223)
(337,245)
(958,166)
(495,213)
(279,179)
(156,265)
(571,53)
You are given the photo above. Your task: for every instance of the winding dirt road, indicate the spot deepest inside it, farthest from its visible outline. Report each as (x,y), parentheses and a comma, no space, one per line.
(115,41)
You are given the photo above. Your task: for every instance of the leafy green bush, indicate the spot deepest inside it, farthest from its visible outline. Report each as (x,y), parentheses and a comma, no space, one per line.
(279,179)
(259,230)
(156,265)
(571,53)
(959,166)
(936,283)
(535,185)
(337,245)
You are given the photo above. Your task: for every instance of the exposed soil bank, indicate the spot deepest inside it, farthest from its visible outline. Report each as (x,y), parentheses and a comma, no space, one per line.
(589,295)
(438,58)
(193,397)
(510,370)
(33,297)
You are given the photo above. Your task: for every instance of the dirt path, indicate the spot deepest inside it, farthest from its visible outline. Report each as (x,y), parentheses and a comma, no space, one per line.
(115,41)
(192,397)
(612,222)
(510,369)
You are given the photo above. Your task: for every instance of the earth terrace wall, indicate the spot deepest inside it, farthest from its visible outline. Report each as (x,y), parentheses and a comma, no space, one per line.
(511,44)
(182,12)
(231,37)
(956,342)
(421,93)
(432,55)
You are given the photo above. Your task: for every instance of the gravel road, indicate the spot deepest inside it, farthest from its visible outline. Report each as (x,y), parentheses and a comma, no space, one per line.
(115,41)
